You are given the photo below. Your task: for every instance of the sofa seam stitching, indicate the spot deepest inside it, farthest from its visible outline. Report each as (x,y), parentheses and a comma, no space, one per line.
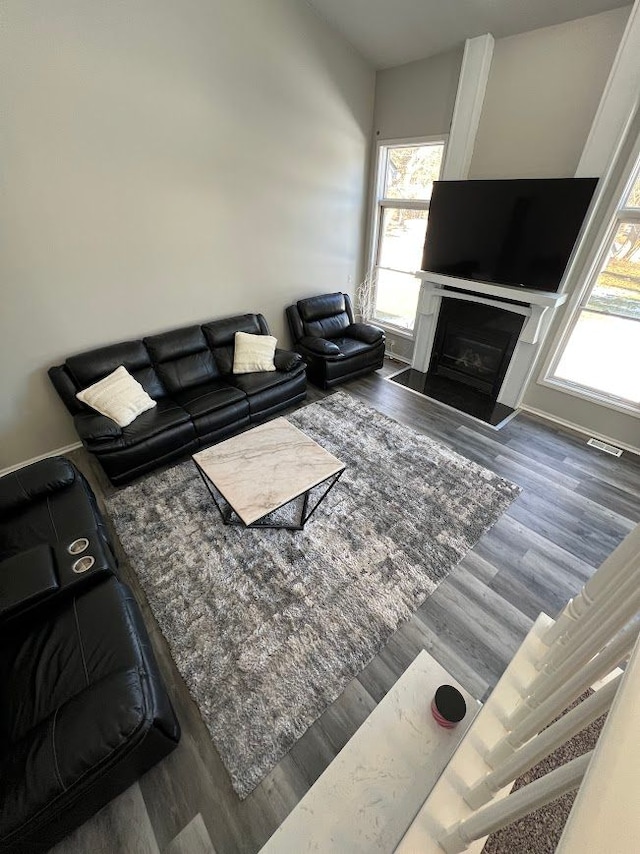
(53,524)
(84,661)
(53,745)
(26,494)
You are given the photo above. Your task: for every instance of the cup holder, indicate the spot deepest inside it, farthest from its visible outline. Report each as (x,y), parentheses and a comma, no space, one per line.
(78,546)
(83,564)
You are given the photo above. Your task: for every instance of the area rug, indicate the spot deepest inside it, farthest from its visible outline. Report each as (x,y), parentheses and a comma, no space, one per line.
(267,627)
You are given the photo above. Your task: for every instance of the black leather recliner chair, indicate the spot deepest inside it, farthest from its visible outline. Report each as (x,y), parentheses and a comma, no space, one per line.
(333,346)
(83,710)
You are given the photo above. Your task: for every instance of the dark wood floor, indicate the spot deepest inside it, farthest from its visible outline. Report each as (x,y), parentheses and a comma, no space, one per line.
(577,505)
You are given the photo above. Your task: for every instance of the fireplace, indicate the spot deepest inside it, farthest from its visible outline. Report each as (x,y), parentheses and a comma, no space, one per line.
(474,343)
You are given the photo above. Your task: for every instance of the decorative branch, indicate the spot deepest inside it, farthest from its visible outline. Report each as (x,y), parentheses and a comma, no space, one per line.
(365,296)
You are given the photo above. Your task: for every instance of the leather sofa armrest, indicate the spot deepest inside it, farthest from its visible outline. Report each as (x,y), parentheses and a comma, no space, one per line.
(26,578)
(320,347)
(285,360)
(95,429)
(365,332)
(21,487)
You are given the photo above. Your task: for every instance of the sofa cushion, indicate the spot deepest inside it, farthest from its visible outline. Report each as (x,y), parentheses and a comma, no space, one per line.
(87,368)
(209,397)
(266,398)
(117,396)
(182,358)
(254,383)
(167,415)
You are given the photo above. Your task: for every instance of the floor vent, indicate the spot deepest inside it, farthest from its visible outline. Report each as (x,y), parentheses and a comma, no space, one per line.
(602,446)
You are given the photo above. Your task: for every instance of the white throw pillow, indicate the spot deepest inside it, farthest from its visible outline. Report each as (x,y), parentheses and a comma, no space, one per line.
(118,396)
(253,353)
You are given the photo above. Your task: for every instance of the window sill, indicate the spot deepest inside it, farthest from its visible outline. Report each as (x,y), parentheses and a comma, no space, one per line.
(591,396)
(400,331)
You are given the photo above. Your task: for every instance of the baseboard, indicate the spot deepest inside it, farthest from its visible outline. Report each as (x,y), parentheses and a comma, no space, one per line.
(55,453)
(396,358)
(578,428)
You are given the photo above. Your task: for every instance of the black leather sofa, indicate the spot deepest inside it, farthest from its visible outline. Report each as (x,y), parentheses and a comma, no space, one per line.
(83,710)
(333,346)
(188,371)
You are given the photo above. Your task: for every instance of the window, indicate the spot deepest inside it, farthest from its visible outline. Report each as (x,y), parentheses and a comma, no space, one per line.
(406,173)
(600,354)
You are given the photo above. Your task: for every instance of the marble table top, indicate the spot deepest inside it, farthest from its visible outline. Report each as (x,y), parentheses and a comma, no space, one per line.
(264,468)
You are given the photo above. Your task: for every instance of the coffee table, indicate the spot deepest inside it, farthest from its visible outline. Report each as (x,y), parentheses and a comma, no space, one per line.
(251,475)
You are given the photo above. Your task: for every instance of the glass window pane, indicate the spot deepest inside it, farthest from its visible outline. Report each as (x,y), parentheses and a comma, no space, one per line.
(411,171)
(633,199)
(396,298)
(401,239)
(617,288)
(603,353)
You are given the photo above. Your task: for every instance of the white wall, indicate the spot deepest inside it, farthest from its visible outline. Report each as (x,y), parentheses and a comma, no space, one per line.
(164,162)
(542,95)
(417,99)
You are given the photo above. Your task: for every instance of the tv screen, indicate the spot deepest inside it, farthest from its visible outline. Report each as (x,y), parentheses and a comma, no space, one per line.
(511,232)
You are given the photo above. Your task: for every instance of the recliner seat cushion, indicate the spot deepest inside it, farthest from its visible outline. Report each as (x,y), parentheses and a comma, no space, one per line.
(166,416)
(95,717)
(351,347)
(74,647)
(215,406)
(267,391)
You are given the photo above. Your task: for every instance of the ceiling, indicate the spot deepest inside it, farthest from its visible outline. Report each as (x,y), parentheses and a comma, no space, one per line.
(392,32)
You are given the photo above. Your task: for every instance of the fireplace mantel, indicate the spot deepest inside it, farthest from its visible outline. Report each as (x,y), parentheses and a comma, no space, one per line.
(547,299)
(537,307)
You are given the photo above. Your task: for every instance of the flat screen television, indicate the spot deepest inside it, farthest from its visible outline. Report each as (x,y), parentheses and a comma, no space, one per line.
(511,232)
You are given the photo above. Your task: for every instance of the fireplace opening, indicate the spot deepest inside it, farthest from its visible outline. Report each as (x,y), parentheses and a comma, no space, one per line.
(474,343)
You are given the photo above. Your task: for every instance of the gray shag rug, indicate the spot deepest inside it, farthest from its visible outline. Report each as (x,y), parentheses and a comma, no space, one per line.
(267,627)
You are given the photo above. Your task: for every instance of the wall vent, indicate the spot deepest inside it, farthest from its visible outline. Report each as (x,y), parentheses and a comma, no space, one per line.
(602,446)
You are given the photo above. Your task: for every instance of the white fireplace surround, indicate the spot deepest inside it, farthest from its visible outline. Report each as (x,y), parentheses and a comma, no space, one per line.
(537,307)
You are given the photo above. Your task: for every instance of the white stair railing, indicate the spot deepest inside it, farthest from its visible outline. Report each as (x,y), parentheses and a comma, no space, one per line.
(537,749)
(558,661)
(520,803)
(559,694)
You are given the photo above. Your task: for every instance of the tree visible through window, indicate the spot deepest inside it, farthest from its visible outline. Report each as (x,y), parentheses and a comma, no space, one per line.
(405,181)
(601,354)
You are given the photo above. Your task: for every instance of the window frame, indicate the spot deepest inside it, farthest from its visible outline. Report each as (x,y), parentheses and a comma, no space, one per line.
(619,215)
(378,205)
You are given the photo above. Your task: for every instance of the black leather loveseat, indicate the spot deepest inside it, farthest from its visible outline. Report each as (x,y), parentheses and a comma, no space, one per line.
(188,371)
(333,346)
(83,711)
